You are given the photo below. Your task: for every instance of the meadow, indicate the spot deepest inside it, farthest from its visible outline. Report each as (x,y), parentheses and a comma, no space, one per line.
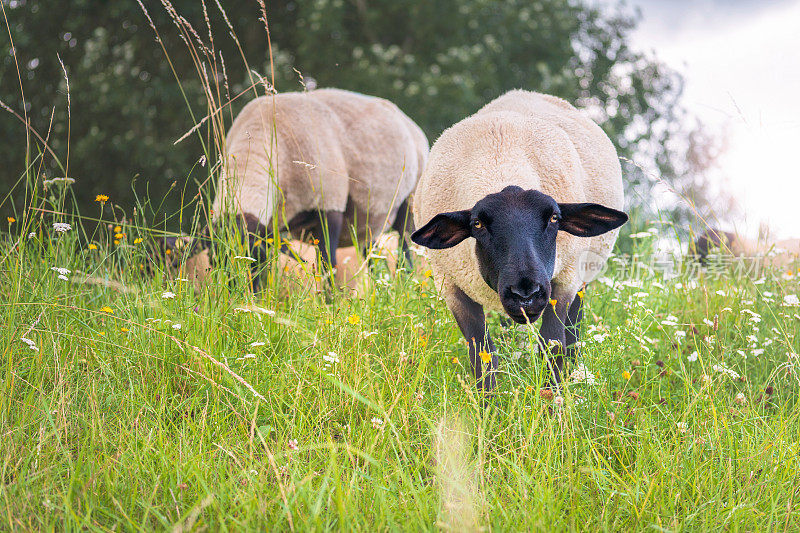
(133,400)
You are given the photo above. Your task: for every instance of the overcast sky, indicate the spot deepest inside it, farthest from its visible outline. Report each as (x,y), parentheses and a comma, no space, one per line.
(741,61)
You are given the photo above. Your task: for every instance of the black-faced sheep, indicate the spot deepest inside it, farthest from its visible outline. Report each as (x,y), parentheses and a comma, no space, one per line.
(520,206)
(323,161)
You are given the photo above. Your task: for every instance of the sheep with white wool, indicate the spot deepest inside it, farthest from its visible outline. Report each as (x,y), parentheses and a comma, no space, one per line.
(520,206)
(322,161)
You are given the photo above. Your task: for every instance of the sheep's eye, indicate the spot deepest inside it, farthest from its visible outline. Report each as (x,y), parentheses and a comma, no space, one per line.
(554,219)
(477,224)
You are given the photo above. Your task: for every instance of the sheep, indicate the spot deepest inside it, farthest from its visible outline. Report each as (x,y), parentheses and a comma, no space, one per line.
(764,252)
(341,159)
(507,206)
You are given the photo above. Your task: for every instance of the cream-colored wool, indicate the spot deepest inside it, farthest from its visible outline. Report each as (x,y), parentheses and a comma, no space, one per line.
(325,147)
(533,141)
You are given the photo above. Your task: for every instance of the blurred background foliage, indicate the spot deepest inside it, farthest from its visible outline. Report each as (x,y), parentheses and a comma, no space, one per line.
(439,61)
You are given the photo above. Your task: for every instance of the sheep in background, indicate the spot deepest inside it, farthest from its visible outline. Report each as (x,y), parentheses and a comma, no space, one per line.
(328,160)
(507,206)
(779,253)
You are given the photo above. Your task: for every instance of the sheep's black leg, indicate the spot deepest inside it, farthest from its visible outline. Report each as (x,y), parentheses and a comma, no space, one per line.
(472,322)
(331,228)
(404,225)
(574,317)
(554,336)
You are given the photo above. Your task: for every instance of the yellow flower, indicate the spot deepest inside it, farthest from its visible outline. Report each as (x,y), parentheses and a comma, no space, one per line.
(428,273)
(168,251)
(553,303)
(117,229)
(581,294)
(257,243)
(11,220)
(454,360)
(315,241)
(485,356)
(124,330)
(626,375)
(423,341)
(137,240)
(101,333)
(92,246)
(354,319)
(270,241)
(102,198)
(107,309)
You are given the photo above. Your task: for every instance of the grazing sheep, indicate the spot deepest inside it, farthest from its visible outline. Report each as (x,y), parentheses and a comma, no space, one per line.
(507,205)
(767,253)
(341,159)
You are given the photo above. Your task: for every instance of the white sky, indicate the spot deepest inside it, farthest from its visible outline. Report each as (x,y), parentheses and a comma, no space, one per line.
(741,62)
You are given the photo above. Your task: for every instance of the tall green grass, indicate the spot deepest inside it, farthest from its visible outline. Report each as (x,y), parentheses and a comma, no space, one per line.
(295,409)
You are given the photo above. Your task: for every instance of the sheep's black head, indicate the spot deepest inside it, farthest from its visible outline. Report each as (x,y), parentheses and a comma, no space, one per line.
(515,241)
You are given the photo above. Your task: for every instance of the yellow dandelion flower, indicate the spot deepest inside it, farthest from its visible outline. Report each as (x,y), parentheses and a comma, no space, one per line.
(626,375)
(581,294)
(257,243)
(428,273)
(102,198)
(101,333)
(485,356)
(315,242)
(117,229)
(11,220)
(107,309)
(124,330)
(454,360)
(354,319)
(553,303)
(92,246)
(137,240)
(168,251)
(270,241)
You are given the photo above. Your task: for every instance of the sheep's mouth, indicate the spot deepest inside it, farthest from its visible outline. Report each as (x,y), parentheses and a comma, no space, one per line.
(525,315)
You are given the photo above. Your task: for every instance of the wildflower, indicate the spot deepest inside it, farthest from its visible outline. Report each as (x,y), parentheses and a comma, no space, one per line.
(546,394)
(553,303)
(740,399)
(11,220)
(454,360)
(626,375)
(769,390)
(599,337)
(102,198)
(176,326)
(682,427)
(124,330)
(708,322)
(725,370)
(693,356)
(107,309)
(791,300)
(331,357)
(485,356)
(254,344)
(62,272)
(137,240)
(30,343)
(582,375)
(32,235)
(377,423)
(721,293)
(92,246)
(353,319)
(423,341)
(581,293)
(61,227)
(428,273)
(292,444)
(167,295)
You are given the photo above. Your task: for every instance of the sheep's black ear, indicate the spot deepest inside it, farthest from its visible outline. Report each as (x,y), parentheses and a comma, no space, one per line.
(589,220)
(445,230)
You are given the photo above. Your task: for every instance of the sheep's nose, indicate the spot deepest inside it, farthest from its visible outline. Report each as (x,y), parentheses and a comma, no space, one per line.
(527,291)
